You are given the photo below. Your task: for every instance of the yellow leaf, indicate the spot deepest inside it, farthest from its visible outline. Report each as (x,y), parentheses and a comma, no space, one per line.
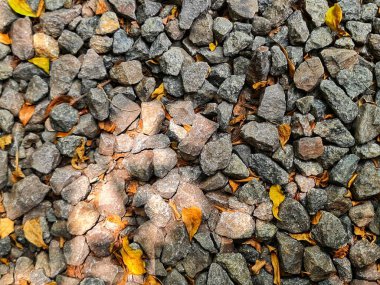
(259,85)
(132,258)
(192,218)
(159,92)
(352,180)
(33,233)
(107,126)
(151,280)
(305,237)
(316,218)
(23,282)
(5,140)
(284,132)
(6,227)
(22,7)
(5,39)
(333,17)
(17,174)
(115,219)
(41,62)
(275,264)
(212,46)
(257,266)
(177,215)
(199,57)
(237,119)
(277,197)
(26,113)
(5,261)
(51,283)
(79,156)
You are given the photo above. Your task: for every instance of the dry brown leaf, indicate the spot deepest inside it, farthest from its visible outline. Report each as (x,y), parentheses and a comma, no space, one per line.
(341,252)
(275,264)
(5,140)
(7,226)
(5,261)
(305,237)
(132,258)
(177,215)
(40,8)
(5,39)
(254,243)
(328,116)
(322,180)
(192,218)
(33,233)
(237,119)
(361,232)
(17,174)
(101,7)
(51,283)
(248,179)
(61,242)
(151,280)
(316,218)
(333,17)
(259,85)
(352,180)
(132,187)
(277,197)
(107,126)
(79,156)
(284,132)
(75,271)
(26,113)
(234,185)
(291,66)
(64,134)
(56,101)
(199,57)
(260,263)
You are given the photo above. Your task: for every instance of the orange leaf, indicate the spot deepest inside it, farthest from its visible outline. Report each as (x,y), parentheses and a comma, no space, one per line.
(107,126)
(333,17)
(132,258)
(259,85)
(304,236)
(5,140)
(254,243)
(101,7)
(187,127)
(291,66)
(79,156)
(41,8)
(192,218)
(316,218)
(237,119)
(275,264)
(341,252)
(177,215)
(284,132)
(250,178)
(257,266)
(5,39)
(6,227)
(132,186)
(33,233)
(352,180)
(17,174)
(26,113)
(234,185)
(222,209)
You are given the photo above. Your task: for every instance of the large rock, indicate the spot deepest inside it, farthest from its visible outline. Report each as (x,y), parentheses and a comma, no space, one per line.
(293,217)
(216,155)
(176,245)
(263,136)
(24,196)
(243,9)
(46,158)
(191,9)
(309,74)
(290,252)
(318,263)
(76,250)
(82,218)
(273,104)
(336,59)
(335,132)
(217,275)
(367,125)
(236,266)
(22,39)
(235,225)
(368,182)
(364,253)
(268,169)
(127,73)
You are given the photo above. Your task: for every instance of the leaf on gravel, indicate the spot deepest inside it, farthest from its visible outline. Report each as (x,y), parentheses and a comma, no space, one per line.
(5,39)
(237,119)
(284,132)
(159,92)
(33,233)
(79,156)
(5,140)
(352,180)
(254,243)
(212,46)
(361,232)
(40,8)
(132,258)
(277,197)
(192,218)
(41,62)
(316,218)
(275,264)
(177,215)
(304,237)
(107,126)
(291,66)
(151,280)
(234,185)
(6,227)
(101,7)
(187,127)
(22,7)
(333,17)
(26,113)
(260,263)
(259,85)
(341,252)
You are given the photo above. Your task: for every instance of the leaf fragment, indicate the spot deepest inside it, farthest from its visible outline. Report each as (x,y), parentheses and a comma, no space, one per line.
(333,17)
(234,185)
(316,218)
(56,101)
(277,197)
(291,66)
(254,243)
(341,252)
(132,258)
(284,132)
(159,92)
(275,264)
(79,156)
(5,39)
(259,85)
(5,140)
(107,126)
(26,113)
(305,237)
(6,227)
(177,215)
(212,46)
(352,180)
(41,62)
(33,233)
(260,263)
(192,218)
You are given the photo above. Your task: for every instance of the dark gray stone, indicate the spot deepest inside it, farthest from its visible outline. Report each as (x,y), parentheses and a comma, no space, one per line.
(236,266)
(290,252)
(236,42)
(364,253)
(268,169)
(341,173)
(294,217)
(263,136)
(318,263)
(366,125)
(63,117)
(273,104)
(98,103)
(335,132)
(230,89)
(70,42)
(121,42)
(367,183)
(298,31)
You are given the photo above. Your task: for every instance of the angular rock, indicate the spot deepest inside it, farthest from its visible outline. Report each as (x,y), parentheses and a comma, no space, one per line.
(273,104)
(338,59)
(45,46)
(63,117)
(77,190)
(140,165)
(194,75)
(176,245)
(335,132)
(344,169)
(98,103)
(294,217)
(268,169)
(290,252)
(92,66)
(309,148)
(216,275)
(366,125)
(309,74)
(235,225)
(318,263)
(236,266)
(45,158)
(319,38)
(364,253)
(240,9)
(22,39)
(158,211)
(82,218)
(191,9)
(367,183)
(263,136)
(125,7)
(236,42)
(76,250)
(127,73)
(362,214)
(152,115)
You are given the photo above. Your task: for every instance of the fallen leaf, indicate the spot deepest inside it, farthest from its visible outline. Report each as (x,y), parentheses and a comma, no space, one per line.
(41,62)
(275,264)
(159,92)
(333,17)
(259,85)
(56,101)
(75,271)
(101,7)
(132,258)
(212,46)
(107,126)
(234,185)
(361,232)
(222,209)
(40,8)
(284,132)
(26,113)
(322,180)
(352,180)
(23,282)
(5,140)
(64,134)
(257,266)
(277,197)
(305,237)
(153,61)
(33,233)
(22,7)
(61,242)
(51,283)
(315,219)
(115,219)
(248,179)
(177,215)
(14,238)
(5,39)
(187,127)
(5,261)
(341,252)
(132,187)
(151,280)
(6,227)
(254,243)
(199,57)
(237,119)
(192,218)
(291,66)
(79,156)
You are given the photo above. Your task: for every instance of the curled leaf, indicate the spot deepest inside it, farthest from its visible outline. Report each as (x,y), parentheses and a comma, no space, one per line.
(237,119)
(341,252)
(260,263)
(284,132)
(7,226)
(275,264)
(192,218)
(277,197)
(33,233)
(5,140)
(56,101)
(254,243)
(316,218)
(177,215)
(5,39)
(41,62)
(187,127)
(352,180)
(159,92)
(132,258)
(333,18)
(107,126)
(305,237)
(26,113)
(259,85)
(79,156)
(291,66)
(101,7)
(234,185)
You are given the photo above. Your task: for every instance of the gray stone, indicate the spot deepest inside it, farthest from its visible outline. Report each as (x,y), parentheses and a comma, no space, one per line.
(364,253)
(317,10)
(221,28)
(279,63)
(236,169)
(362,214)
(343,170)
(70,42)
(174,31)
(316,199)
(171,61)
(127,73)
(5,246)
(356,80)
(294,217)
(217,275)
(6,121)
(242,9)
(337,203)
(77,190)
(143,142)
(125,7)
(92,281)
(22,39)
(108,23)
(367,151)
(367,183)
(64,117)
(338,59)
(366,127)
(308,168)
(45,158)
(86,126)
(236,266)
(191,9)
(174,277)
(194,75)
(158,211)
(359,31)
(341,104)
(121,42)
(335,132)
(268,169)
(273,104)
(86,27)
(284,156)
(259,68)
(236,42)
(318,263)
(309,74)
(343,267)
(264,231)
(263,136)
(298,31)
(176,245)
(76,250)
(140,165)
(67,145)
(331,155)
(290,252)
(351,9)
(164,160)
(99,240)
(8,16)
(98,103)
(230,89)
(196,261)
(37,89)
(144,88)
(92,66)
(319,38)
(160,45)
(201,33)
(151,28)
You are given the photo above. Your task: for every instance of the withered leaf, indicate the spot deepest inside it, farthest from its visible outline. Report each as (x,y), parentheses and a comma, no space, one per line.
(101,7)
(22,7)
(41,62)
(341,252)
(254,243)
(192,218)
(79,156)
(177,215)
(5,140)
(316,218)
(33,233)
(234,185)
(132,258)
(6,227)
(107,126)
(259,85)
(284,132)
(159,92)
(260,263)
(333,17)
(5,39)
(304,237)
(26,113)
(275,264)
(352,180)
(277,197)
